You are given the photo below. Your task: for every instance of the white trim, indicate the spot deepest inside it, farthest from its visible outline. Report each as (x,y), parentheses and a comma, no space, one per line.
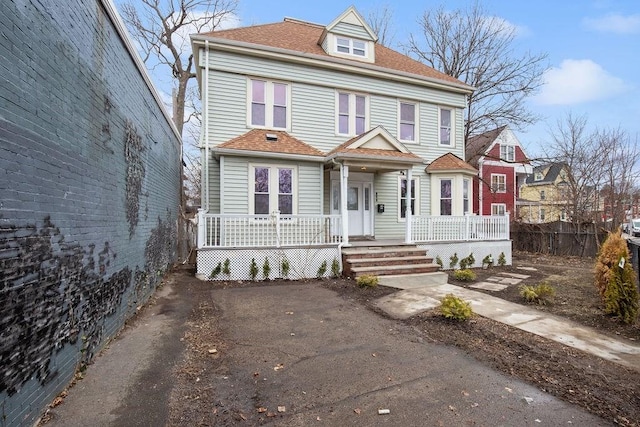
(416,121)
(507,147)
(268,103)
(469,198)
(416,196)
(273,186)
(352,112)
(452,127)
(497,206)
(496,188)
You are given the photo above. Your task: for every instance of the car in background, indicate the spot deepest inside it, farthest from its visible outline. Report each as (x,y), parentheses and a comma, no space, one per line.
(634,227)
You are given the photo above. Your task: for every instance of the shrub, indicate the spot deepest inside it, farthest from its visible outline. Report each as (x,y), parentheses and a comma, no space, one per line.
(488,261)
(322,269)
(471,259)
(335,268)
(464,264)
(266,269)
(539,294)
(226,267)
(367,281)
(453,260)
(285,267)
(215,271)
(253,269)
(452,307)
(439,261)
(616,284)
(502,259)
(464,275)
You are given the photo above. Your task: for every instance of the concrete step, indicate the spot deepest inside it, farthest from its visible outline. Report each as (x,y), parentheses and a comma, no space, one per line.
(381,252)
(394,269)
(364,262)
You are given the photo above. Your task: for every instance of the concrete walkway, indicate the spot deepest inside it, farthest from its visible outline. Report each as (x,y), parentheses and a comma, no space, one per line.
(421,292)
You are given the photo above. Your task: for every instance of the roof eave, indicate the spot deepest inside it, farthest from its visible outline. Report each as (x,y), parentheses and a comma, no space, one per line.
(384,159)
(323,61)
(266,154)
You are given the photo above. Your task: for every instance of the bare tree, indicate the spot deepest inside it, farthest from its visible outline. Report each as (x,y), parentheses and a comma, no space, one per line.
(479,50)
(161,28)
(381,22)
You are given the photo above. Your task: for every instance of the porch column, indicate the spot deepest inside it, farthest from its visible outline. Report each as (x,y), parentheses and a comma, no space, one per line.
(344,179)
(407,215)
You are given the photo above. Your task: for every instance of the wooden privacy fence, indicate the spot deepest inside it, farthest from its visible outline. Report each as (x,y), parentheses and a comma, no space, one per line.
(558,238)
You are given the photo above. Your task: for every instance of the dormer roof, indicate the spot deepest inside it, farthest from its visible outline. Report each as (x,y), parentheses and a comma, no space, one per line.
(349,18)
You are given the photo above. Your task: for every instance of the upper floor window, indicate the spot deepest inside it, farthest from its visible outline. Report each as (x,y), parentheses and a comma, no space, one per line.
(507,153)
(352,113)
(543,196)
(408,124)
(498,183)
(269,106)
(273,189)
(351,46)
(402,194)
(445,135)
(538,176)
(498,209)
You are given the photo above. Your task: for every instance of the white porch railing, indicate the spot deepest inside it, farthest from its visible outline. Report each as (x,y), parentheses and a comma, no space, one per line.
(457,228)
(275,230)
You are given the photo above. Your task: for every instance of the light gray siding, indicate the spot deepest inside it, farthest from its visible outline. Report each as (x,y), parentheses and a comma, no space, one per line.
(384,111)
(309,188)
(234,194)
(351,30)
(214,186)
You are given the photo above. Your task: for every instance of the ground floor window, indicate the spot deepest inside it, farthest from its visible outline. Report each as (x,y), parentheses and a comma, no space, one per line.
(498,209)
(402,196)
(273,189)
(445,197)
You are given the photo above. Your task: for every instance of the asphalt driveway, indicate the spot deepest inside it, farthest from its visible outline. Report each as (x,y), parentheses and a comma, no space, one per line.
(298,355)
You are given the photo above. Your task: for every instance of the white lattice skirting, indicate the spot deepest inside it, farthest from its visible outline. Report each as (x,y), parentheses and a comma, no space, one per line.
(462,249)
(303,263)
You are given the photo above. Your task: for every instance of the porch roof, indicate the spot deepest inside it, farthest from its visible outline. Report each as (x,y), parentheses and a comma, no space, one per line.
(265,143)
(450,163)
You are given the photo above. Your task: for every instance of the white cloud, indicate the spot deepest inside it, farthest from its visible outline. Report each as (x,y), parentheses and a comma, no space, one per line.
(615,23)
(577,81)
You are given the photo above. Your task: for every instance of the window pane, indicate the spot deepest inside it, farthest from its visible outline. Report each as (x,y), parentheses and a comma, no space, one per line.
(279,117)
(407,132)
(367,197)
(407,113)
(343,45)
(343,101)
(261,180)
(285,186)
(360,106)
(343,124)
(445,188)
(352,198)
(445,136)
(359,125)
(403,208)
(445,207)
(285,204)
(279,94)
(257,114)
(257,91)
(261,204)
(445,118)
(403,188)
(336,197)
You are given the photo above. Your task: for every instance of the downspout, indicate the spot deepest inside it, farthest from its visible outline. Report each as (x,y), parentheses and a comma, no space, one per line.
(206,125)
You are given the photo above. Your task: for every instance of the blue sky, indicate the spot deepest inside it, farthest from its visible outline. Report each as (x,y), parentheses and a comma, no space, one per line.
(593,49)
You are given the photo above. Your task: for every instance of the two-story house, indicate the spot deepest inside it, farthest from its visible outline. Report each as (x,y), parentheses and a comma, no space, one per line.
(315,137)
(545,194)
(503,167)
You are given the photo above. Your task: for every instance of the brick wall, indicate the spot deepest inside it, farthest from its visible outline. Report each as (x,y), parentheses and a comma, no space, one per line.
(89,194)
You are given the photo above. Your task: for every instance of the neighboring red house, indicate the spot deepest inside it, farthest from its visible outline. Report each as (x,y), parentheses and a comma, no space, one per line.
(503,166)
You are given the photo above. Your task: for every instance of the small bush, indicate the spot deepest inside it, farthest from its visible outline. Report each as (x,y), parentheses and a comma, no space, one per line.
(367,281)
(464,264)
(502,259)
(464,275)
(322,269)
(488,261)
(617,285)
(215,271)
(226,267)
(285,267)
(471,259)
(335,268)
(542,293)
(452,307)
(439,261)
(253,269)
(453,260)
(266,269)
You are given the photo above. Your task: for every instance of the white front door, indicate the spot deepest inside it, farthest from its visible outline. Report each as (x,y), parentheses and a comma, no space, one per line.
(359,208)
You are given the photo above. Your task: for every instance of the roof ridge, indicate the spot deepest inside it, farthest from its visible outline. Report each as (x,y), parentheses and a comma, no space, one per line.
(302,22)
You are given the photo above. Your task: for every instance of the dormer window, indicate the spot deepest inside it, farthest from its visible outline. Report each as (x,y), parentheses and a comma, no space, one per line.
(351,46)
(539,176)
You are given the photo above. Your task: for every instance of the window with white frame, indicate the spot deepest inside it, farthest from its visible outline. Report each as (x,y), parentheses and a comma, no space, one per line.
(445,136)
(466,186)
(507,153)
(351,46)
(402,195)
(269,104)
(352,113)
(408,121)
(498,183)
(272,189)
(498,209)
(445,196)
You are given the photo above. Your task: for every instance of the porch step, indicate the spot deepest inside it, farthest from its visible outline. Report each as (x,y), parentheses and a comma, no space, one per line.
(386,260)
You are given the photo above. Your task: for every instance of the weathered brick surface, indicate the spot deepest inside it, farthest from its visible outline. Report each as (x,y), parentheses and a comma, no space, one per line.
(89,194)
